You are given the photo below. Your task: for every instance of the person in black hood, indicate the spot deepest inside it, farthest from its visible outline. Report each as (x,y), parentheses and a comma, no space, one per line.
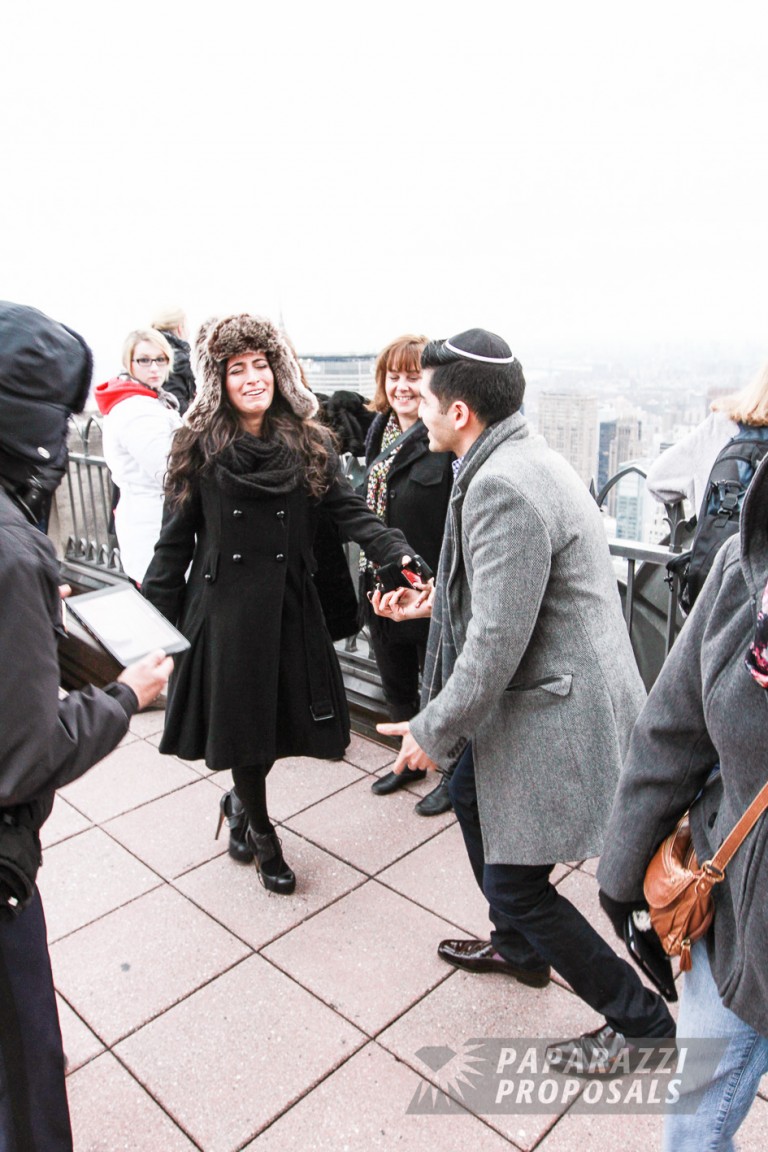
(181,382)
(45,742)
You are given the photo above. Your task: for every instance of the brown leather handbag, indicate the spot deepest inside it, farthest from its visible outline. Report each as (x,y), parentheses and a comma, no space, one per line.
(679,891)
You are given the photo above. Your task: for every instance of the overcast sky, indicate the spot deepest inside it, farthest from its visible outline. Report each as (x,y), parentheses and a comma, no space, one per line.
(564,173)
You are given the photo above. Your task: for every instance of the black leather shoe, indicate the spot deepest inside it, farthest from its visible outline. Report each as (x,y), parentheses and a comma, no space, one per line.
(391,782)
(481,956)
(605,1052)
(435,802)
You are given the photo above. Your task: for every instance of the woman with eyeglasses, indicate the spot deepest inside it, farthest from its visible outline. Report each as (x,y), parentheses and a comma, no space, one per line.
(140,419)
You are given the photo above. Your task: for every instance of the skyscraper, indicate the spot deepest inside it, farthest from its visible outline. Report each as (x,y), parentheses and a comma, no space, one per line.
(568,422)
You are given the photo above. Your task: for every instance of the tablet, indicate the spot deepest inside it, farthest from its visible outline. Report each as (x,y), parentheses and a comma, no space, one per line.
(125,623)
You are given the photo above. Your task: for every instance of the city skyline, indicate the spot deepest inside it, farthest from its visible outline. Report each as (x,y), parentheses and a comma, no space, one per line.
(577,179)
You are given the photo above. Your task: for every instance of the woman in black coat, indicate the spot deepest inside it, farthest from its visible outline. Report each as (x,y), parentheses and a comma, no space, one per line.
(408,487)
(245,483)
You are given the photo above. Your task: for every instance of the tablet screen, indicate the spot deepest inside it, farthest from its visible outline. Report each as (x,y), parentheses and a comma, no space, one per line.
(126,624)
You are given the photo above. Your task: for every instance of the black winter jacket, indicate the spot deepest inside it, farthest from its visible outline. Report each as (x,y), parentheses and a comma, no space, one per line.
(419,487)
(44,742)
(181,382)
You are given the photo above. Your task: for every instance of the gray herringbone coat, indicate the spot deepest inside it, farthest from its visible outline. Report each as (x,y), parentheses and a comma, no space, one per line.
(529,656)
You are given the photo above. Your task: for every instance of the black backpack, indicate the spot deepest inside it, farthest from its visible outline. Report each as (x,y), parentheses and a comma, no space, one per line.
(718,517)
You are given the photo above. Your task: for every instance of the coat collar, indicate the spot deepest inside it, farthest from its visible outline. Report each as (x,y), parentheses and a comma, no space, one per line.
(515,427)
(754,531)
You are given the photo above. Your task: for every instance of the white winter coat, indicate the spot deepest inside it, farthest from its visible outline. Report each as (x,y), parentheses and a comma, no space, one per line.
(137,437)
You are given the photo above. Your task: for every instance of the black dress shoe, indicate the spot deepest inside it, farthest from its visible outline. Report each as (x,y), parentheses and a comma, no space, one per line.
(604,1052)
(391,782)
(481,956)
(437,801)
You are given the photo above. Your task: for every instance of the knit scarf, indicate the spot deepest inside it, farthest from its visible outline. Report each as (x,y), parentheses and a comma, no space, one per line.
(250,466)
(376,488)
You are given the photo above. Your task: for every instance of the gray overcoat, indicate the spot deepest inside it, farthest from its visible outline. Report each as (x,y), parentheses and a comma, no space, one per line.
(706,709)
(529,656)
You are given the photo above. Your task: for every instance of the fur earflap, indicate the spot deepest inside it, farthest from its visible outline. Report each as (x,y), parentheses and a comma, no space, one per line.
(217,340)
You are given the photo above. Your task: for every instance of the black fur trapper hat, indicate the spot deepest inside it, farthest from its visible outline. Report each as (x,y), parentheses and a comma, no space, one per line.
(217,340)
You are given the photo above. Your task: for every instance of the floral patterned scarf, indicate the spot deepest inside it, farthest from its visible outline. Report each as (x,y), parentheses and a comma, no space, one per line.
(757,654)
(376,489)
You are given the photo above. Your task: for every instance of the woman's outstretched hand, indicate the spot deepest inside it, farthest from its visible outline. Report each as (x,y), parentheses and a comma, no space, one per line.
(404,603)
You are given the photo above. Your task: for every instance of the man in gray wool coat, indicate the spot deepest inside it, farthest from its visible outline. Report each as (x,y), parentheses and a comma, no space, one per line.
(530,687)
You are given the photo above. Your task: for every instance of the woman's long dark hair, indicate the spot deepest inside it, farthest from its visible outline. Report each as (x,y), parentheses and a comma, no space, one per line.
(194,451)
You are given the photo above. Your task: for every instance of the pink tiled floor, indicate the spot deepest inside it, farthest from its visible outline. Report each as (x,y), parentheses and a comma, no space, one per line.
(201,1012)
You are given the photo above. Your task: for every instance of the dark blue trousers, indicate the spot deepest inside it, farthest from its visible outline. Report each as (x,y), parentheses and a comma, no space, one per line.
(34,1115)
(535,926)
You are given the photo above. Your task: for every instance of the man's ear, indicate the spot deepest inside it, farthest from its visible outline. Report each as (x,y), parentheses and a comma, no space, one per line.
(461,415)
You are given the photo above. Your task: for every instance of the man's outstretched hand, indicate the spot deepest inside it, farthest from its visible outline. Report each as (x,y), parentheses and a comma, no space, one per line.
(411,755)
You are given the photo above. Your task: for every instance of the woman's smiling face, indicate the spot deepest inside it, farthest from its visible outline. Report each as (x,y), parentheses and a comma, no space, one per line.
(402,391)
(250,385)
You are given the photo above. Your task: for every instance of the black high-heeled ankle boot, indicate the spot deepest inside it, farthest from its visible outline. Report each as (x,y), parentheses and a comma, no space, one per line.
(231,810)
(275,874)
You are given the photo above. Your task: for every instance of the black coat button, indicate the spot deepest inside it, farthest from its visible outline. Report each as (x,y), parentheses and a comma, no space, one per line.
(237,558)
(280,515)
(208,577)
(280,557)
(237,512)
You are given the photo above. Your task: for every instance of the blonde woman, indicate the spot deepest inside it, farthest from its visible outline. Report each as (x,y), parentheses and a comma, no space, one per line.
(682,472)
(140,419)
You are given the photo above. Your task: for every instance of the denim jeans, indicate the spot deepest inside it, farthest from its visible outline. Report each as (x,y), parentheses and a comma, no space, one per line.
(534,926)
(727,1097)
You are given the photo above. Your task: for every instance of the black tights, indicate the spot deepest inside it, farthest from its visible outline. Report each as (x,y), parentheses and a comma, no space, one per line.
(251,787)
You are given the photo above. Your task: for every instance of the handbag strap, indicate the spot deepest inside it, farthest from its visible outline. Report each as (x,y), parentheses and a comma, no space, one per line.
(738,834)
(391,448)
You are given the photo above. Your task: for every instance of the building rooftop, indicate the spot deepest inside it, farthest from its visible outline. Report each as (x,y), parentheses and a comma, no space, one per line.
(201,1012)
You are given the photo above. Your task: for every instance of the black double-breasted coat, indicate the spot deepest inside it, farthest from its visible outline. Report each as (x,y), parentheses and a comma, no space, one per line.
(261,679)
(419,485)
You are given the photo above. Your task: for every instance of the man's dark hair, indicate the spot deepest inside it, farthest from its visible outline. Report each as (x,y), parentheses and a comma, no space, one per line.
(492,391)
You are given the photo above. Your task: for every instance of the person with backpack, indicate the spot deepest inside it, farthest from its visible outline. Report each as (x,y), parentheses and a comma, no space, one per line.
(712,468)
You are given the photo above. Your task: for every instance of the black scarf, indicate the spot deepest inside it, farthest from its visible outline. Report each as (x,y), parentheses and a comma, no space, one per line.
(250,466)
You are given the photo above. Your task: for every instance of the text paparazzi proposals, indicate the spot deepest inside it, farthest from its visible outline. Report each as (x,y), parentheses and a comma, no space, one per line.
(513,1076)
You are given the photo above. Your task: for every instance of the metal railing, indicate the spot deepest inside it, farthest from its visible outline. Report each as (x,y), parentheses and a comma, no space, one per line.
(636,553)
(84,504)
